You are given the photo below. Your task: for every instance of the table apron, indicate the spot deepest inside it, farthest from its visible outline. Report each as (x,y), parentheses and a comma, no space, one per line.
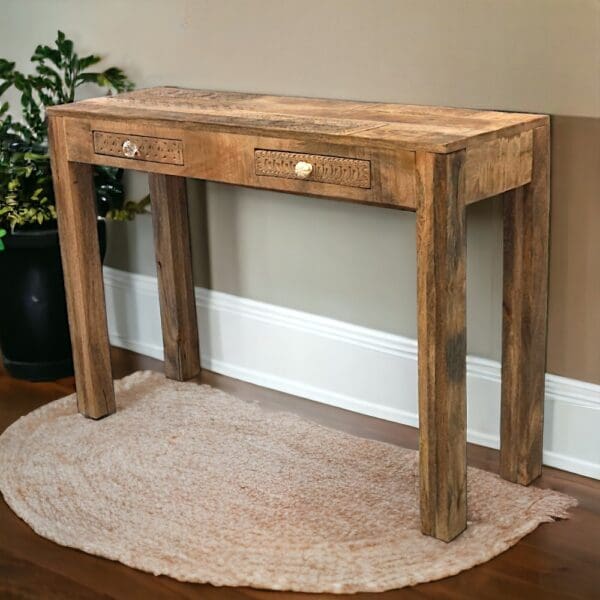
(491,167)
(230,157)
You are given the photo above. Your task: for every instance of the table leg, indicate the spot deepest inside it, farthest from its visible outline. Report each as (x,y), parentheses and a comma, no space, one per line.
(84,286)
(526,230)
(441,277)
(175,284)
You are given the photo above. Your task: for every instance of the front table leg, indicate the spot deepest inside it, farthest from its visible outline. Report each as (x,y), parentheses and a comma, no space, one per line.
(84,286)
(526,229)
(441,279)
(174,268)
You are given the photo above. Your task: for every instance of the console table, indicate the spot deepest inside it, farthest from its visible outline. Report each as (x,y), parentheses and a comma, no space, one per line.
(435,161)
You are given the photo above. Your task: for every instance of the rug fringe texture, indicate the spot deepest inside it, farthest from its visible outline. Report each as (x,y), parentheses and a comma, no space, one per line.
(187,481)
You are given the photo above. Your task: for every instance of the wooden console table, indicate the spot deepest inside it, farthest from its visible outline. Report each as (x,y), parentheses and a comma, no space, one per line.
(431,160)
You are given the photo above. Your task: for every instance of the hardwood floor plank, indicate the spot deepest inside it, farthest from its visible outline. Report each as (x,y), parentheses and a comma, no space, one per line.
(20,578)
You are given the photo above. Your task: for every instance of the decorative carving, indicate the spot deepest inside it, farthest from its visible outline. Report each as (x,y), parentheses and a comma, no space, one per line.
(325,169)
(146,148)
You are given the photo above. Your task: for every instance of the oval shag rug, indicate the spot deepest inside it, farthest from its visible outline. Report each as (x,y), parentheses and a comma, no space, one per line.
(187,481)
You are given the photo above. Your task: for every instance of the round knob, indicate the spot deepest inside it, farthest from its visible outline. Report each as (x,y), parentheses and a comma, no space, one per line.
(303,169)
(130,150)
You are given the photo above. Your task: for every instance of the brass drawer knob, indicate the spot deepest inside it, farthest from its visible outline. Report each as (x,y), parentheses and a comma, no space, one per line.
(130,149)
(303,169)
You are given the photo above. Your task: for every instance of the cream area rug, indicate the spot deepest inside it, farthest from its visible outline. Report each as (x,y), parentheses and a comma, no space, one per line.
(187,481)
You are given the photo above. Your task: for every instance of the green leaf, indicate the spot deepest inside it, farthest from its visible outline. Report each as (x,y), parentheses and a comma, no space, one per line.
(45,52)
(21,82)
(96,78)
(6,65)
(117,79)
(87,61)
(112,78)
(5,85)
(51,73)
(33,156)
(6,68)
(65,46)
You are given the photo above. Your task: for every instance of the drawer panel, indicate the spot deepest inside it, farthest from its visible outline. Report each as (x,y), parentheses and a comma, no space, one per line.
(138,147)
(376,176)
(349,172)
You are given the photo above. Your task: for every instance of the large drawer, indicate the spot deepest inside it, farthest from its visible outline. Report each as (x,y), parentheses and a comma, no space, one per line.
(349,172)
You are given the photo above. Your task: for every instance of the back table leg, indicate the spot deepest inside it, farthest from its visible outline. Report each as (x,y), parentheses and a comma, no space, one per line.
(441,258)
(526,229)
(175,284)
(76,211)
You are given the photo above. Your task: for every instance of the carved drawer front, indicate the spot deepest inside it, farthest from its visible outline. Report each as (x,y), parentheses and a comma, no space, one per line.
(139,147)
(313,167)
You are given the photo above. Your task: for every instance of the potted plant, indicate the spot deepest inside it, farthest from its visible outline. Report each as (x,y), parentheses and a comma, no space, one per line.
(34,334)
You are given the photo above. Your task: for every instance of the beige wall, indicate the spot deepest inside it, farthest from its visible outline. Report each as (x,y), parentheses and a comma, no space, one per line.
(574,302)
(352,262)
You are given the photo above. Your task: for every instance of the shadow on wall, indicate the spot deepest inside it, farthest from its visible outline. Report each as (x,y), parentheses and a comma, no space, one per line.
(198,214)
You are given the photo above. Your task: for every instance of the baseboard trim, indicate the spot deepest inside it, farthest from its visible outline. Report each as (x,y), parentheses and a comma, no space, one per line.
(315,357)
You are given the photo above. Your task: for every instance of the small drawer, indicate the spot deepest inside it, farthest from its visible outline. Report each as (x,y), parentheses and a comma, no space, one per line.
(138,147)
(349,172)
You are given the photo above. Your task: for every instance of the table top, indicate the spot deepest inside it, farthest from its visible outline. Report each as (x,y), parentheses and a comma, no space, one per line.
(413,127)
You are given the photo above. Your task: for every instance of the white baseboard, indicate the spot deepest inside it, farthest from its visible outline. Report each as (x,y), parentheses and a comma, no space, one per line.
(344,365)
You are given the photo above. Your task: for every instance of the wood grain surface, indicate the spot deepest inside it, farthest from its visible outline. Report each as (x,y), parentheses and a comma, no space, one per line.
(441,301)
(498,165)
(434,129)
(78,231)
(175,283)
(525,298)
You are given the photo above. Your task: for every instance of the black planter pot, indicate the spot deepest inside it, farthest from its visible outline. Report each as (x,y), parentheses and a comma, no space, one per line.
(34,330)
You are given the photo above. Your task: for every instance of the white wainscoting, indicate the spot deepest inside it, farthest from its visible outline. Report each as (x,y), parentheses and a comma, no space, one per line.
(352,367)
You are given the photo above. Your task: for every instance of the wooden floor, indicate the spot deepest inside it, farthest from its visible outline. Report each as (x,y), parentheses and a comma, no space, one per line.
(561,560)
